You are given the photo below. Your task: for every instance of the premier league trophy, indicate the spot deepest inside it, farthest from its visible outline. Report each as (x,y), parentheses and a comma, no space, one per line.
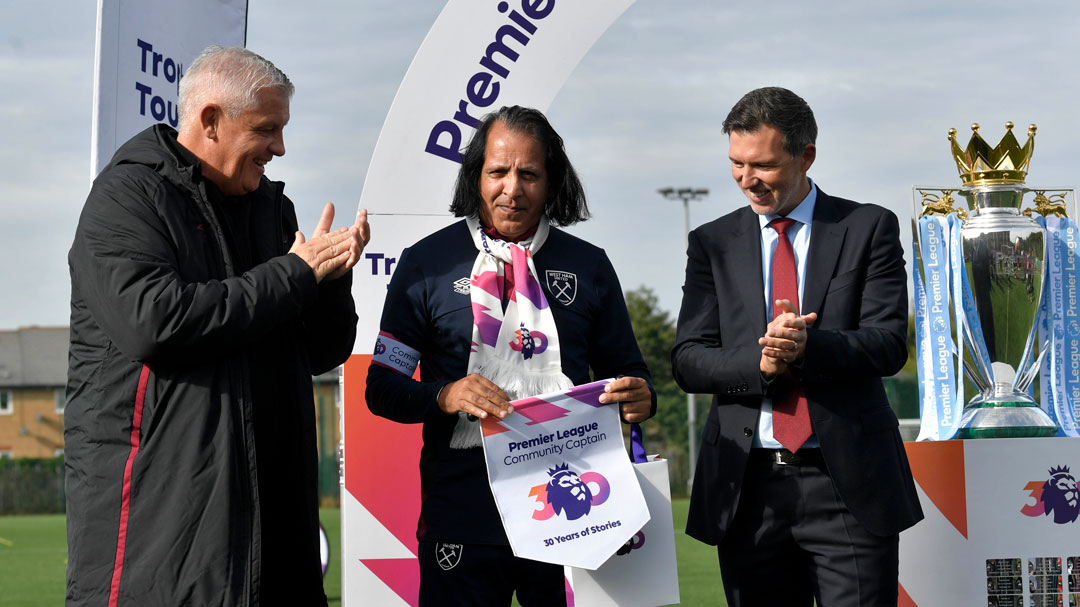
(1004,255)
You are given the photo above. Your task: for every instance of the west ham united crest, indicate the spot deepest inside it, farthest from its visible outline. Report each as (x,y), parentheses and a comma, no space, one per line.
(448,555)
(562,285)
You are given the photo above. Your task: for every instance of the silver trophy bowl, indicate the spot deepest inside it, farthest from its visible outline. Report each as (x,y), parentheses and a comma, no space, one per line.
(1004,256)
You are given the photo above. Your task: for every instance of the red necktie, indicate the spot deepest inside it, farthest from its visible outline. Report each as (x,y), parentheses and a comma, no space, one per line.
(791,419)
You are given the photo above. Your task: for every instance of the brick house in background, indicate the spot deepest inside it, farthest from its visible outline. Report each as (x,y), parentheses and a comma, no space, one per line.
(33,375)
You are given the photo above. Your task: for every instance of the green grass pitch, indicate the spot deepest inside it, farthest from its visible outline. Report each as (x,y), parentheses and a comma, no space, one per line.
(33,556)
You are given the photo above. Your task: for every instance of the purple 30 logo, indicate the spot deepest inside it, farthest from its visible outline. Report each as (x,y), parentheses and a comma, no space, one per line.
(1057,495)
(528,342)
(632,544)
(569,493)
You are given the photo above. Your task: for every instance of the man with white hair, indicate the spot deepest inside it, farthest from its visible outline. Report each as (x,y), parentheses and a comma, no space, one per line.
(199,313)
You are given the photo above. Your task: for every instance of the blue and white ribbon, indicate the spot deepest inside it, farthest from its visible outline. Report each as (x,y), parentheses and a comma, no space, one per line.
(1052,372)
(1060,324)
(940,409)
(927,401)
(956,260)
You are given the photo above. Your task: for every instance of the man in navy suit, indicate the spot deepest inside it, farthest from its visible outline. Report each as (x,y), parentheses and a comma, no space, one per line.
(793,310)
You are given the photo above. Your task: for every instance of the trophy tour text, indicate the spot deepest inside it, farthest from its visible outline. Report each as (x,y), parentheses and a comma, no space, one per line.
(157,66)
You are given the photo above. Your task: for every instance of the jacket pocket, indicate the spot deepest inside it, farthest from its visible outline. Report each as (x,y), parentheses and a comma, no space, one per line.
(845,280)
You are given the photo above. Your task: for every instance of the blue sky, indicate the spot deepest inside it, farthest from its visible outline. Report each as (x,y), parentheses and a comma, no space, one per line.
(642,111)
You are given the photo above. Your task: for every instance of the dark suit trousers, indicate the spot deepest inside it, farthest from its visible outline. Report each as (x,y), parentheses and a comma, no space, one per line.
(792,540)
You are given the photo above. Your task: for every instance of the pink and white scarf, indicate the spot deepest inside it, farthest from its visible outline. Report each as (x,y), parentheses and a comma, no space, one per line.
(517,348)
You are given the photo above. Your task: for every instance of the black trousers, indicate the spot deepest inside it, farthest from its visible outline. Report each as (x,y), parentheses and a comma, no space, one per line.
(478,575)
(793,541)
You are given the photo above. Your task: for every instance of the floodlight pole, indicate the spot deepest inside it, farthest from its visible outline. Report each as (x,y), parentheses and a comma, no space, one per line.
(686,195)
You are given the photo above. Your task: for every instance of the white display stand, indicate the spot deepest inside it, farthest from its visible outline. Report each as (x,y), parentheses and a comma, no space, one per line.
(987,539)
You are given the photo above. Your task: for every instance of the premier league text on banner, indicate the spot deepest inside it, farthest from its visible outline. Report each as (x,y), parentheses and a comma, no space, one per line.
(939,388)
(1069,406)
(158,67)
(1058,325)
(939,309)
(482,88)
(555,443)
(566,492)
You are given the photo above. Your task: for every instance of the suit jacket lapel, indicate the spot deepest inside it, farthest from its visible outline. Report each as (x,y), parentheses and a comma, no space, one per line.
(826,242)
(744,253)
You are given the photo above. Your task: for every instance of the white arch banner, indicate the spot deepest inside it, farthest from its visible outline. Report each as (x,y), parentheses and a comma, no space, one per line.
(478,56)
(143,48)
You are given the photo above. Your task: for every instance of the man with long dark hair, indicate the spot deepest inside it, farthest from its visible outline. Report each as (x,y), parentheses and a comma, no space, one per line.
(498,306)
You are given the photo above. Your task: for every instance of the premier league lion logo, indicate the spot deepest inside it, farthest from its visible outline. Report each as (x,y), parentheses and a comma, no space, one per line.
(528,342)
(1059,495)
(567,494)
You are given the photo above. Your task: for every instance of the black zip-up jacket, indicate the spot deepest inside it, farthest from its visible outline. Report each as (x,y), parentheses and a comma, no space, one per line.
(189,426)
(428,311)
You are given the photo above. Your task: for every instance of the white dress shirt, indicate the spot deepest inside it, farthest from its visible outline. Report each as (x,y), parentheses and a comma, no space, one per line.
(799,235)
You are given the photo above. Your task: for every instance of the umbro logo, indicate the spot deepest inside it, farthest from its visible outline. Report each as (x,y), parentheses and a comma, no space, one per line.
(461,286)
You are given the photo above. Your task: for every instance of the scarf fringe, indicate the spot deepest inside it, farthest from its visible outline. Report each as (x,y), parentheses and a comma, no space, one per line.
(517,383)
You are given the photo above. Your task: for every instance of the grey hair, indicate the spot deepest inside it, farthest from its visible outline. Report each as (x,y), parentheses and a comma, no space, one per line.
(230,77)
(776,107)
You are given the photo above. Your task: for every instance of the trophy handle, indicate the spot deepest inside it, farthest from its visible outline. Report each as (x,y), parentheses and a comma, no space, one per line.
(1033,371)
(975,377)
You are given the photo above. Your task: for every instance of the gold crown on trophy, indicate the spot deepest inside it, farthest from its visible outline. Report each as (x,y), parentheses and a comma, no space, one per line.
(980,164)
